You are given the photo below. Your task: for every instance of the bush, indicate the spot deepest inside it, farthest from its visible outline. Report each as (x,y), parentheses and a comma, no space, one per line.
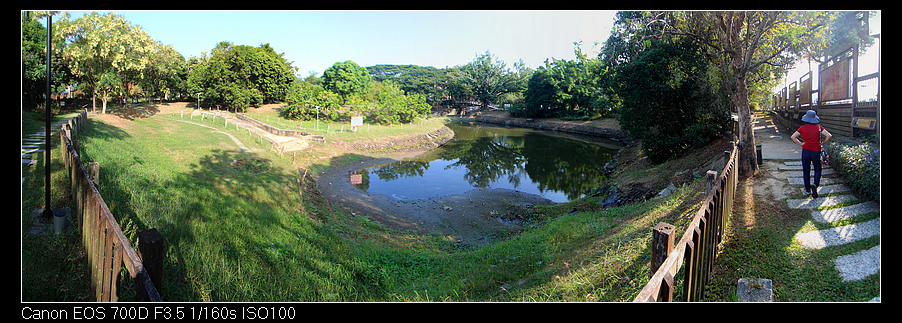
(858,162)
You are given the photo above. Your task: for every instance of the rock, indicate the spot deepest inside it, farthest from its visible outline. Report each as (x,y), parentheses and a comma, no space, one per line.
(681,178)
(666,191)
(755,290)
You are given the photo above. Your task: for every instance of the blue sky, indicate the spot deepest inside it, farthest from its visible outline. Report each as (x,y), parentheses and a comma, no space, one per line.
(314,40)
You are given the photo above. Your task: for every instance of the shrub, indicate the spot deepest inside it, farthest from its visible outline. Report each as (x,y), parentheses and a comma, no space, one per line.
(858,162)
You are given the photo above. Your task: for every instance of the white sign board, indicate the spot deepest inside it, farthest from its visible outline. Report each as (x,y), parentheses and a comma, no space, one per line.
(356,121)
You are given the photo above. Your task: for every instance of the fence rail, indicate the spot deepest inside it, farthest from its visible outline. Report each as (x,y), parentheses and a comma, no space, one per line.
(698,246)
(107,247)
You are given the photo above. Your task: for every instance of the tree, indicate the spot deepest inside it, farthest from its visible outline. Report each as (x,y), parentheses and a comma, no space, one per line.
(240,76)
(393,105)
(161,76)
(485,77)
(307,101)
(426,80)
(100,46)
(747,41)
(34,61)
(669,102)
(346,79)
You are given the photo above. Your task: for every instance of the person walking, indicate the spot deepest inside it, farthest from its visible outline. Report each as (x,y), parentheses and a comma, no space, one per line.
(811,144)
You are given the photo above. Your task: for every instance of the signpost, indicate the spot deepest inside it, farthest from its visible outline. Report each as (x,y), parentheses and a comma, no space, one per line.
(356,121)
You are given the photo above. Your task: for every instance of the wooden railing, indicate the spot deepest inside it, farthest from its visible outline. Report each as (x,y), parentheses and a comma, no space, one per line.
(106,246)
(698,246)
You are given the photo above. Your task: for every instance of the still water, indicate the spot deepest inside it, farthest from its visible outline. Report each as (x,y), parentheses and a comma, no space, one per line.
(556,166)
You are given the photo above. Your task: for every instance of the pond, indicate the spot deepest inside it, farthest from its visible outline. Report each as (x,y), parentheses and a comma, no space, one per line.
(559,167)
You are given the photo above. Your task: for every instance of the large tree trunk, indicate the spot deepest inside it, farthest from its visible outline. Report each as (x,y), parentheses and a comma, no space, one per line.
(748,159)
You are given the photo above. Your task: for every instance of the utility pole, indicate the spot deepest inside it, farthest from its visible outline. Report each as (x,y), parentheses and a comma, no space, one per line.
(48,210)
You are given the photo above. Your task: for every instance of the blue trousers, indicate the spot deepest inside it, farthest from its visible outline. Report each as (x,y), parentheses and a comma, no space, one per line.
(808,158)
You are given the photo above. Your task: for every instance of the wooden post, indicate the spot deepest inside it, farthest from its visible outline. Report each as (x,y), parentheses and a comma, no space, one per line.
(94,173)
(150,244)
(710,179)
(661,245)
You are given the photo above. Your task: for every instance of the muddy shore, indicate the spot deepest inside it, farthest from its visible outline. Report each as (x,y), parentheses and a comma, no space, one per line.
(473,218)
(476,217)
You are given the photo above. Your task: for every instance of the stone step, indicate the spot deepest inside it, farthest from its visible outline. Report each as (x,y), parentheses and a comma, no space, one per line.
(824,169)
(825,172)
(835,188)
(813,203)
(845,212)
(824,181)
(858,265)
(839,235)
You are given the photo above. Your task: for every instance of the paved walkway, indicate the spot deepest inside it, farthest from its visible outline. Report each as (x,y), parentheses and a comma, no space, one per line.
(34,143)
(777,146)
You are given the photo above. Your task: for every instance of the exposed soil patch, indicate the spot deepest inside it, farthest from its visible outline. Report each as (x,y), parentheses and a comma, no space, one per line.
(476,217)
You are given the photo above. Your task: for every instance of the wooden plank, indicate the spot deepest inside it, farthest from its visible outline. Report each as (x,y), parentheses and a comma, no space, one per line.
(117,267)
(108,279)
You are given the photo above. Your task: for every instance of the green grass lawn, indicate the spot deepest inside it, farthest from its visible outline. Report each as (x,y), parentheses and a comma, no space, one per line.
(236,236)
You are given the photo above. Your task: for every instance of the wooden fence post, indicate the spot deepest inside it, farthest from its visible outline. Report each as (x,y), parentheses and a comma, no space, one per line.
(661,245)
(710,179)
(150,244)
(94,173)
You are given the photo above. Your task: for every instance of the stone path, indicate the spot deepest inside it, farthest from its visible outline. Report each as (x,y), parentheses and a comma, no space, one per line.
(825,208)
(34,143)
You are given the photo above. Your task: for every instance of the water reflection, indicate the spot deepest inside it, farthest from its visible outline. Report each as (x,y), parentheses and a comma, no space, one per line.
(557,167)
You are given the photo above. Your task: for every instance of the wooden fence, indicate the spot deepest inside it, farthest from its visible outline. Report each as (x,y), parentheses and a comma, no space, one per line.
(835,94)
(106,246)
(698,246)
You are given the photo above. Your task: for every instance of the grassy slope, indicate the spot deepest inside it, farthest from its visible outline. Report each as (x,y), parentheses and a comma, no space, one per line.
(240,237)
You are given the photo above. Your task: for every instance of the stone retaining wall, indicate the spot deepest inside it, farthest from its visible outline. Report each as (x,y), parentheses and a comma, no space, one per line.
(620,135)
(280,132)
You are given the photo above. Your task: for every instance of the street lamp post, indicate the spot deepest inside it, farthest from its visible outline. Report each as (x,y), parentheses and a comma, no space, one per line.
(47,209)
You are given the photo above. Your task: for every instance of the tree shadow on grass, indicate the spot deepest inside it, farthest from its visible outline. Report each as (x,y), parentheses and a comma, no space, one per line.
(234,236)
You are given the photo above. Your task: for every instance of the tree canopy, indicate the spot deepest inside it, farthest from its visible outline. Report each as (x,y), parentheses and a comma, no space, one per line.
(668,100)
(105,52)
(345,79)
(485,78)
(241,76)
(426,80)
(34,61)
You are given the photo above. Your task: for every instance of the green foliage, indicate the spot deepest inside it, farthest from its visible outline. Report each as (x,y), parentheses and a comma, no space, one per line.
(858,162)
(241,76)
(392,105)
(304,98)
(667,101)
(567,89)
(425,80)
(34,63)
(346,79)
(484,79)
